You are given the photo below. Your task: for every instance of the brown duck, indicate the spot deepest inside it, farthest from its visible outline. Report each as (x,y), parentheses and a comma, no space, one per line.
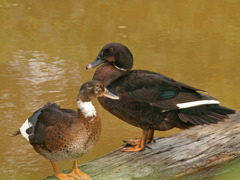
(149,100)
(64,134)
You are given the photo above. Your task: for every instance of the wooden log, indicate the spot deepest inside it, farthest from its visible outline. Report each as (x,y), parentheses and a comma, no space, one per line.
(194,153)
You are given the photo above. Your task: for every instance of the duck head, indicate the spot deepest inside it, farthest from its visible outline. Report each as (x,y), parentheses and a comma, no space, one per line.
(115,54)
(93,89)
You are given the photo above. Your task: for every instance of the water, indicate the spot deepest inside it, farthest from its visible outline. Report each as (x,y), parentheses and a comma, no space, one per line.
(45,46)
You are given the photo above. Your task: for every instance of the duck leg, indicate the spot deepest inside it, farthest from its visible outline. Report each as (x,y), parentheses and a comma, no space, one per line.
(59,175)
(136,141)
(150,136)
(140,146)
(77,174)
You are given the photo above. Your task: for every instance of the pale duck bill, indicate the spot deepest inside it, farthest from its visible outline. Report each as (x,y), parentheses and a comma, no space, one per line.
(110,95)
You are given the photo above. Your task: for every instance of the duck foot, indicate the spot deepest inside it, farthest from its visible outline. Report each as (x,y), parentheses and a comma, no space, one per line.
(62,176)
(132,142)
(140,144)
(59,175)
(135,148)
(79,175)
(148,136)
(137,141)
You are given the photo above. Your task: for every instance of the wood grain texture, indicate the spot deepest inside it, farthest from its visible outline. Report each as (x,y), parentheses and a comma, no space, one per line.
(194,153)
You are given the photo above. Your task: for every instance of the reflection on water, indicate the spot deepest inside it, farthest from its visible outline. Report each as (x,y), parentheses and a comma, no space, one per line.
(45,46)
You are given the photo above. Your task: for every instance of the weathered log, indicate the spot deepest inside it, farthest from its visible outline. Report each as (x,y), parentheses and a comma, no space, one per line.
(194,153)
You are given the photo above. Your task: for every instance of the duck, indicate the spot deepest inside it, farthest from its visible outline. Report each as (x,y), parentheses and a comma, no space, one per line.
(65,134)
(149,100)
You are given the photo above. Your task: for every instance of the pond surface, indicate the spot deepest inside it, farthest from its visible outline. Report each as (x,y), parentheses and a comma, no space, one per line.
(46,45)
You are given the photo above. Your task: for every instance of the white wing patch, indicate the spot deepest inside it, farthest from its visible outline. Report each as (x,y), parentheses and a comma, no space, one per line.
(86,108)
(197,103)
(23,129)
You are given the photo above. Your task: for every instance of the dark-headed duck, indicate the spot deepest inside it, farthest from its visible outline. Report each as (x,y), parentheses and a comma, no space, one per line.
(149,100)
(64,134)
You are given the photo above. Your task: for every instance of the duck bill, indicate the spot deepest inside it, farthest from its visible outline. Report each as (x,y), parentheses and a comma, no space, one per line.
(110,95)
(99,60)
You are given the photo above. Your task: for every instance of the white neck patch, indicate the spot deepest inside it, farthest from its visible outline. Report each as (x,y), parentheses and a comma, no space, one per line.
(86,108)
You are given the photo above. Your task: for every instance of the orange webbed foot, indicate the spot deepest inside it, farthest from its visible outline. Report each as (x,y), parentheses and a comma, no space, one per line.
(139,144)
(79,175)
(132,142)
(62,176)
(135,148)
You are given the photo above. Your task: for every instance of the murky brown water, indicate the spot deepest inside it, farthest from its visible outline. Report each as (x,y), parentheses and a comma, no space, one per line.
(45,46)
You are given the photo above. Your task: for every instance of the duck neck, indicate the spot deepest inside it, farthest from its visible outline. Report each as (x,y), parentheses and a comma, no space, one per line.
(107,73)
(86,108)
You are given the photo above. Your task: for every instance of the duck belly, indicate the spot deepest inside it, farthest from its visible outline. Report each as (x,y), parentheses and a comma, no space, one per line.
(68,152)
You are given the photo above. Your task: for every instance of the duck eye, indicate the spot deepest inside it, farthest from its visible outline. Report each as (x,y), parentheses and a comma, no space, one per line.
(96,89)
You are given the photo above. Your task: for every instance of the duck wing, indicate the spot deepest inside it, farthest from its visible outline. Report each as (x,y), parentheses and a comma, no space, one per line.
(48,117)
(158,90)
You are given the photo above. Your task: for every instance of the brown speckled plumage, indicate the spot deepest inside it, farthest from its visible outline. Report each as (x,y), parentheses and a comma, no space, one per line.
(64,134)
(68,137)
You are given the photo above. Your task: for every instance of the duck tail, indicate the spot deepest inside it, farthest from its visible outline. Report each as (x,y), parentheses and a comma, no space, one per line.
(208,114)
(16,133)
(224,110)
